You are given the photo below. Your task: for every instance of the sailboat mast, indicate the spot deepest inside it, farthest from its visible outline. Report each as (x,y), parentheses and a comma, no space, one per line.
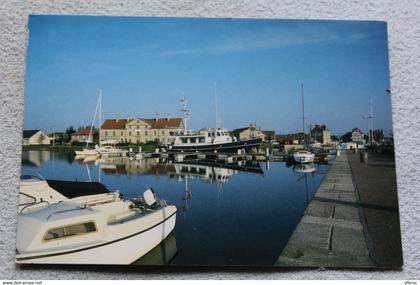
(215,103)
(93,122)
(303,114)
(100,115)
(371,121)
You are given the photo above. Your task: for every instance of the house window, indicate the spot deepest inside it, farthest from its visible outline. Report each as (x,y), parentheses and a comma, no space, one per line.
(129,133)
(70,231)
(113,133)
(163,132)
(122,133)
(145,133)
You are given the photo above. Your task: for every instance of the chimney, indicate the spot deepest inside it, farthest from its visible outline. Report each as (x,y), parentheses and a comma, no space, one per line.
(117,119)
(168,117)
(157,117)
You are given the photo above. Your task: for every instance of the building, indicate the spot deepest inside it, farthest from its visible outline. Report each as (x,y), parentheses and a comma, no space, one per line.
(356,136)
(269,135)
(321,134)
(248,133)
(83,136)
(287,139)
(140,130)
(35,137)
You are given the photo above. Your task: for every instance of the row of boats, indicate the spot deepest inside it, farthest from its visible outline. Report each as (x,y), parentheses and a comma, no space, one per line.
(215,139)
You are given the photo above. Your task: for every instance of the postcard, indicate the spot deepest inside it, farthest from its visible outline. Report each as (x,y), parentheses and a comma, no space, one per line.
(208,142)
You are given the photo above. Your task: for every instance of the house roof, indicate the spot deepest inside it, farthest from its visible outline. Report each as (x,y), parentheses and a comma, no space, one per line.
(112,124)
(83,132)
(356,129)
(319,127)
(29,133)
(240,130)
(154,123)
(289,137)
(164,123)
(268,133)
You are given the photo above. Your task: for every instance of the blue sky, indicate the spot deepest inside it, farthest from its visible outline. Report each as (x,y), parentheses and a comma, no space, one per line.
(144,64)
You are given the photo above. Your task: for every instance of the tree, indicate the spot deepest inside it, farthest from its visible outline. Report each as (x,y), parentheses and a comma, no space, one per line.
(41,138)
(70,130)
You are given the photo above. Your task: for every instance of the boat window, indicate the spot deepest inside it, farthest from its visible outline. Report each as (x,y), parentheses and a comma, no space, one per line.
(193,140)
(202,139)
(70,231)
(209,134)
(184,140)
(218,134)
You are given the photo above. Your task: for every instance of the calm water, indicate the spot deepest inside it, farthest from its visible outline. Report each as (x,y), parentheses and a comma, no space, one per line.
(227,215)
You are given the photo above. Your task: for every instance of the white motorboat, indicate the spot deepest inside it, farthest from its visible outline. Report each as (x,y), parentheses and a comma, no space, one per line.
(303,156)
(86,152)
(108,149)
(208,139)
(99,228)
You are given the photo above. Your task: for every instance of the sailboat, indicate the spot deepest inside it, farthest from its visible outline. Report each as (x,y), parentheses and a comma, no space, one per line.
(86,151)
(303,156)
(107,148)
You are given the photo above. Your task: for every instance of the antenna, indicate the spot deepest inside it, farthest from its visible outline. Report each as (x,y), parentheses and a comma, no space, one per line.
(218,123)
(184,109)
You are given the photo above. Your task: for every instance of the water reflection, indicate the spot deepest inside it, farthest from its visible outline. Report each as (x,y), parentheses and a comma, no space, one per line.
(163,254)
(228,214)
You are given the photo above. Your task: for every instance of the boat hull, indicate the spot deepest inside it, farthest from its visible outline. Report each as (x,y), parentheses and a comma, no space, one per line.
(86,152)
(121,251)
(222,147)
(304,158)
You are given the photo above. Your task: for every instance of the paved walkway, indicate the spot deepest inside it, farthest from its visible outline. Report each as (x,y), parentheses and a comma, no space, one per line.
(376,185)
(331,232)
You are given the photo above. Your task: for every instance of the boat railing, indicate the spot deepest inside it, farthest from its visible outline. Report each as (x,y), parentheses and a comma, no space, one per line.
(27,206)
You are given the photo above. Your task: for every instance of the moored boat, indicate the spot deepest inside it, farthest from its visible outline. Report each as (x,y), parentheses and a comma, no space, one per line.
(209,139)
(98,228)
(303,156)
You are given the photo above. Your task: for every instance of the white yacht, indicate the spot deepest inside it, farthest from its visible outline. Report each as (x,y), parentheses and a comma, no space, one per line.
(108,149)
(303,156)
(84,223)
(209,139)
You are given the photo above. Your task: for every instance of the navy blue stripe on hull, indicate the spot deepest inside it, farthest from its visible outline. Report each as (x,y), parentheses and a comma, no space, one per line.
(226,147)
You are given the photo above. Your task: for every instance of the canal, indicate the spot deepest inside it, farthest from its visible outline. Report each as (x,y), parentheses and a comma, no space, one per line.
(236,214)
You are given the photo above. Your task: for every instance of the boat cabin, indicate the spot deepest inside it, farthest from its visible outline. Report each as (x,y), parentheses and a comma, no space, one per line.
(203,137)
